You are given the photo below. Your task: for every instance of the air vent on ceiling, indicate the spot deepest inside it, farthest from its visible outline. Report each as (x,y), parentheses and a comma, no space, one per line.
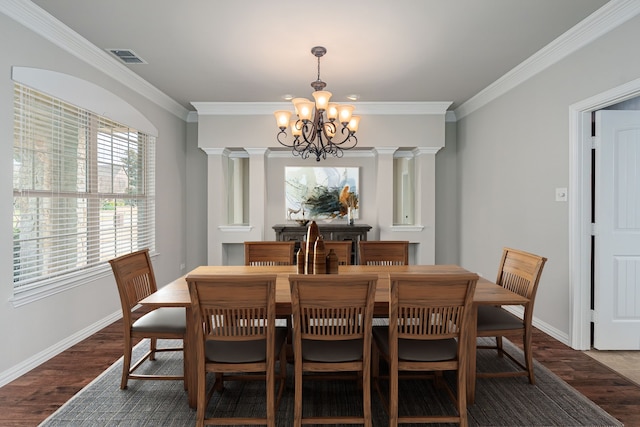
(127,56)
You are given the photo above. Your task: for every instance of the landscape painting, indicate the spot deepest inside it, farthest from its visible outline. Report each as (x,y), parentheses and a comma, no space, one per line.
(321,193)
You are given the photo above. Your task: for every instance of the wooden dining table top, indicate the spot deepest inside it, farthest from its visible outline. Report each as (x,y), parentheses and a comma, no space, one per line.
(176,293)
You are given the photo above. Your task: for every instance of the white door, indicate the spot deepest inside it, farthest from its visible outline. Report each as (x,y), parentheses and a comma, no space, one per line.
(617,231)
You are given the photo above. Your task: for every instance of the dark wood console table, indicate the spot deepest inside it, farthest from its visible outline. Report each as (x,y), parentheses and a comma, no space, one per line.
(298,233)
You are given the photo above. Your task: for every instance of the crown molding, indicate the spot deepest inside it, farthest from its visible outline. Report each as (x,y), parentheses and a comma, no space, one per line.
(40,22)
(605,19)
(192,117)
(372,108)
(450,117)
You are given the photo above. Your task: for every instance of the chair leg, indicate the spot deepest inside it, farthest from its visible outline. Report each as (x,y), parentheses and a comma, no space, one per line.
(366,395)
(462,396)
(499,346)
(185,374)
(271,402)
(201,395)
(528,357)
(393,394)
(297,405)
(218,385)
(153,346)
(126,364)
(283,374)
(375,363)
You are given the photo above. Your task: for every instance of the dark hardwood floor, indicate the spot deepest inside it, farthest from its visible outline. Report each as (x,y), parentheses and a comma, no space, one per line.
(31,398)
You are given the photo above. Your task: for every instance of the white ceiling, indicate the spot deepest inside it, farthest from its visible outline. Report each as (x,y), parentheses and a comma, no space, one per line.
(382,50)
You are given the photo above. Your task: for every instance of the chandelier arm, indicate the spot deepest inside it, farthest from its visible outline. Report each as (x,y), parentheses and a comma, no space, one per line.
(348,135)
(282,134)
(309,132)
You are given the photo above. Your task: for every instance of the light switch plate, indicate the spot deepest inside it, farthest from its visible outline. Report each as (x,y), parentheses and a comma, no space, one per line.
(561,194)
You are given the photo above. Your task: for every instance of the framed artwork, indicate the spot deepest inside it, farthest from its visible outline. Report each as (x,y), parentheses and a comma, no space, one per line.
(321,193)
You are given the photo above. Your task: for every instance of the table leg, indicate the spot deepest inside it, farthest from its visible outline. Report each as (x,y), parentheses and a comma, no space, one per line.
(471,351)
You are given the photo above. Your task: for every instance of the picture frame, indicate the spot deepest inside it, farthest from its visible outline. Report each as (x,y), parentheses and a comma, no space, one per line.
(321,193)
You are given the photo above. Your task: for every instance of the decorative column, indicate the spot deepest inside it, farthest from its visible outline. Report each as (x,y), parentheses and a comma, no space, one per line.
(425,163)
(257,190)
(384,189)
(216,202)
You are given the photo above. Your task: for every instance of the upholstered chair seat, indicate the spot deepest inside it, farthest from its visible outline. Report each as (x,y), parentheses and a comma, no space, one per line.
(242,351)
(417,350)
(337,351)
(491,317)
(167,319)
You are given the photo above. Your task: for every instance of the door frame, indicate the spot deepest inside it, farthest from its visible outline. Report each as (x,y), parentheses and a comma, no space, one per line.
(580,208)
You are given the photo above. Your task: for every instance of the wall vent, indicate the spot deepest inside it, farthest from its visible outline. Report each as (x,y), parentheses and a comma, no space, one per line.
(127,56)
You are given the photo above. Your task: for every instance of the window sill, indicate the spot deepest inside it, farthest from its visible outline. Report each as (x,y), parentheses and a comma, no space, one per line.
(47,288)
(405,228)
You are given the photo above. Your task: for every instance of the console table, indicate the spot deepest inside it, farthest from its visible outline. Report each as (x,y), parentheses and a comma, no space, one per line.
(298,233)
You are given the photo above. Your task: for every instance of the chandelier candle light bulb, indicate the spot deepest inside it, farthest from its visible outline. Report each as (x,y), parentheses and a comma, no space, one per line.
(314,129)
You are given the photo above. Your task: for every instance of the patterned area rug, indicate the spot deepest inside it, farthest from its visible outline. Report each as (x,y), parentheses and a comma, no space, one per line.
(499,402)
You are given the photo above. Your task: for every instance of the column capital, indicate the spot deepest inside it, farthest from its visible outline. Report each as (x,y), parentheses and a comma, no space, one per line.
(426,150)
(385,150)
(257,151)
(215,151)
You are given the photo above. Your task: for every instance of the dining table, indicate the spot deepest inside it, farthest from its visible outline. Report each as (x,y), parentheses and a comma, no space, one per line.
(176,294)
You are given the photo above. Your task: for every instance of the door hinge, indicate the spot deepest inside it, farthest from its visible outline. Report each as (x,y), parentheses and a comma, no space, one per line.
(594,229)
(594,316)
(595,142)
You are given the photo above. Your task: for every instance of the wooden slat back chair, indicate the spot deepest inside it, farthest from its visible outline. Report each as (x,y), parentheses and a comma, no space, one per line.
(429,317)
(342,248)
(237,339)
(519,272)
(135,279)
(383,252)
(332,318)
(269,253)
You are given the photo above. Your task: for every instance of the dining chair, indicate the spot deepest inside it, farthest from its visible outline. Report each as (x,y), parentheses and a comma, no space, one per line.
(519,272)
(342,248)
(237,340)
(269,253)
(135,280)
(332,320)
(429,317)
(383,252)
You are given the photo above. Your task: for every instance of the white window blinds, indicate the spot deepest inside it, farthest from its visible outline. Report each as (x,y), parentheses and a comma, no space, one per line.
(83,190)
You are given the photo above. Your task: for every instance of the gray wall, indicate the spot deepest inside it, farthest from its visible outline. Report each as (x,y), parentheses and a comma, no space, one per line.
(514,152)
(196,209)
(30,333)
(447,200)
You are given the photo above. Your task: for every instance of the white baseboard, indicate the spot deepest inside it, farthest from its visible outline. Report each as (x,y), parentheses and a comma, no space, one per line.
(36,360)
(24,367)
(543,326)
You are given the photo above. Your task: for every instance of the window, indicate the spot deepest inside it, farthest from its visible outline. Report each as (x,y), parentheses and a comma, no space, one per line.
(83,191)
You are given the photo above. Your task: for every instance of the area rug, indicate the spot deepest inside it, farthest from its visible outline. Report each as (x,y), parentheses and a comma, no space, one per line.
(499,402)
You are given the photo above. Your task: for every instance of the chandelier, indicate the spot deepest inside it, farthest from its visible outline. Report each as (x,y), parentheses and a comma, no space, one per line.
(315,128)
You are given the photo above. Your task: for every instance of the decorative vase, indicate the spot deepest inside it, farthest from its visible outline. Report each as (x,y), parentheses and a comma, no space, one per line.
(350,215)
(312,235)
